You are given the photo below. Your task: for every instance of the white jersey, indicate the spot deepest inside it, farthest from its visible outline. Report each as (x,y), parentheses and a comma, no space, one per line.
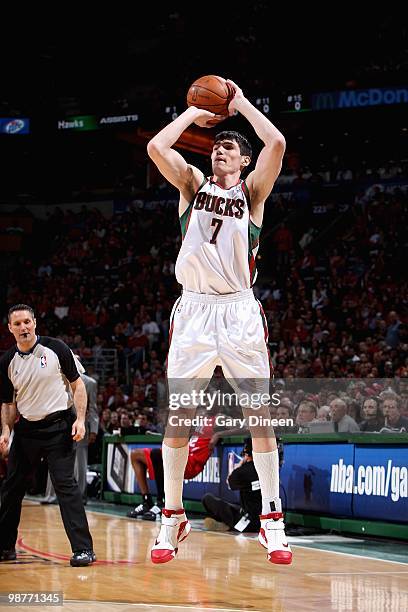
(220,242)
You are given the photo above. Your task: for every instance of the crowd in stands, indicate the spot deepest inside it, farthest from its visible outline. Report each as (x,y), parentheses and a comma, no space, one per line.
(364,407)
(336,307)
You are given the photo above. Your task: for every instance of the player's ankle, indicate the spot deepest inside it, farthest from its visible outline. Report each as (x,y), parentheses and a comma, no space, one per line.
(172,511)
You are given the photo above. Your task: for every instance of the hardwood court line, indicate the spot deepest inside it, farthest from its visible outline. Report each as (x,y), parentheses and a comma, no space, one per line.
(166,606)
(119,516)
(39,553)
(336,552)
(354,573)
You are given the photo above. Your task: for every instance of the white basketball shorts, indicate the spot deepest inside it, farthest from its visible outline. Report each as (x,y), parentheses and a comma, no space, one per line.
(226,330)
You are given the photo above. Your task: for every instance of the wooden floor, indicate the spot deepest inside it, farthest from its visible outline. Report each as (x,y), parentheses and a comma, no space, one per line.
(212,572)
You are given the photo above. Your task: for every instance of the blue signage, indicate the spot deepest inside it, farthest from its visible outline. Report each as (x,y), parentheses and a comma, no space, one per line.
(358,98)
(13,126)
(335,479)
(306,477)
(381,483)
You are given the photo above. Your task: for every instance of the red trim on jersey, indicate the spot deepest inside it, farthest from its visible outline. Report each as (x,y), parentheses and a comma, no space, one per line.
(252,265)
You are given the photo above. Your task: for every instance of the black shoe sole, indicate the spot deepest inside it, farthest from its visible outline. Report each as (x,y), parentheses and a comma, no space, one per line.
(79,564)
(75,564)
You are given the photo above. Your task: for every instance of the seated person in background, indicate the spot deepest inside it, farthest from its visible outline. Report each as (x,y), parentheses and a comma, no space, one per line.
(394,422)
(145,421)
(224,515)
(373,418)
(127,428)
(323,414)
(285,411)
(306,413)
(343,423)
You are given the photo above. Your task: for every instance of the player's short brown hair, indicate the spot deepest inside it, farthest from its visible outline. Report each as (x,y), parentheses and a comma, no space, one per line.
(244,145)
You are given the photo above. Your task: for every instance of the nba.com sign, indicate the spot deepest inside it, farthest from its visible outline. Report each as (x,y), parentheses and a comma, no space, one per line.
(359,98)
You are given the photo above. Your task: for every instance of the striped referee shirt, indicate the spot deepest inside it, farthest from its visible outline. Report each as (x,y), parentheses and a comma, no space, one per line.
(38,381)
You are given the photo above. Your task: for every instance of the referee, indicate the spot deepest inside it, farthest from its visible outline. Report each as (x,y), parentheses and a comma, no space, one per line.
(36,378)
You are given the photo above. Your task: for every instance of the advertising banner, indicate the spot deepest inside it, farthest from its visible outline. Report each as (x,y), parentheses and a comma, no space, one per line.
(9,125)
(380,485)
(307,474)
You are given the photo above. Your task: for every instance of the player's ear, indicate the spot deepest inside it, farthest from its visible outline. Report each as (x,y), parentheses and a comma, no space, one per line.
(246,160)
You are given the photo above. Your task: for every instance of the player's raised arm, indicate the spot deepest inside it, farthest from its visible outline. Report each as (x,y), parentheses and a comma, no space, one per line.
(171,164)
(268,165)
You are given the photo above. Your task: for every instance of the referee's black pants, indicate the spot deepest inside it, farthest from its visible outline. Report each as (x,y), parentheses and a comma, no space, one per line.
(51,438)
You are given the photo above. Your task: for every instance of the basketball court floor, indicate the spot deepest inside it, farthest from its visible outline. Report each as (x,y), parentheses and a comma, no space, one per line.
(213,571)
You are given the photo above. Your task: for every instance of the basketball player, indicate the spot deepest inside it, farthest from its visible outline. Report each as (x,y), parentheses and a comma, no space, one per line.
(217,320)
(200,448)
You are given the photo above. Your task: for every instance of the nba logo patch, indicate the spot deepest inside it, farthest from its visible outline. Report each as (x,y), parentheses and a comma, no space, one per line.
(43,361)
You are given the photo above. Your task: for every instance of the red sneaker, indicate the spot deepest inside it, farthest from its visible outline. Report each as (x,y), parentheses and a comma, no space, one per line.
(174,529)
(272,536)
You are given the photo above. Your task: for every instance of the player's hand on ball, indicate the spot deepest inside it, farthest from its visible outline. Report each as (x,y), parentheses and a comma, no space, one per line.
(237,95)
(78,430)
(207,119)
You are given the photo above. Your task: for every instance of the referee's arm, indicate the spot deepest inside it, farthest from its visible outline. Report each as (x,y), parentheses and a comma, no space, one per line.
(80,402)
(7,402)
(8,418)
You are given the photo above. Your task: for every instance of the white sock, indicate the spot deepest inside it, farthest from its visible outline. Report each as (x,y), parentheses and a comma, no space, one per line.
(174,464)
(267,467)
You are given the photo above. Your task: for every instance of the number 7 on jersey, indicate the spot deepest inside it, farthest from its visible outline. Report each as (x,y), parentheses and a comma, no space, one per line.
(217,223)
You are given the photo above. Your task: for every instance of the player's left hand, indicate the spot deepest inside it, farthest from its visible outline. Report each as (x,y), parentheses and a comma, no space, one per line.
(78,430)
(237,96)
(206,119)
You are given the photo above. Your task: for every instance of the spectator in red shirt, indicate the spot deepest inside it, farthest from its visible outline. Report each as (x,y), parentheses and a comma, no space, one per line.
(283,239)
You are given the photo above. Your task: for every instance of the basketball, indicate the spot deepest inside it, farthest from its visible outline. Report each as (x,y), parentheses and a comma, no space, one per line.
(211,93)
